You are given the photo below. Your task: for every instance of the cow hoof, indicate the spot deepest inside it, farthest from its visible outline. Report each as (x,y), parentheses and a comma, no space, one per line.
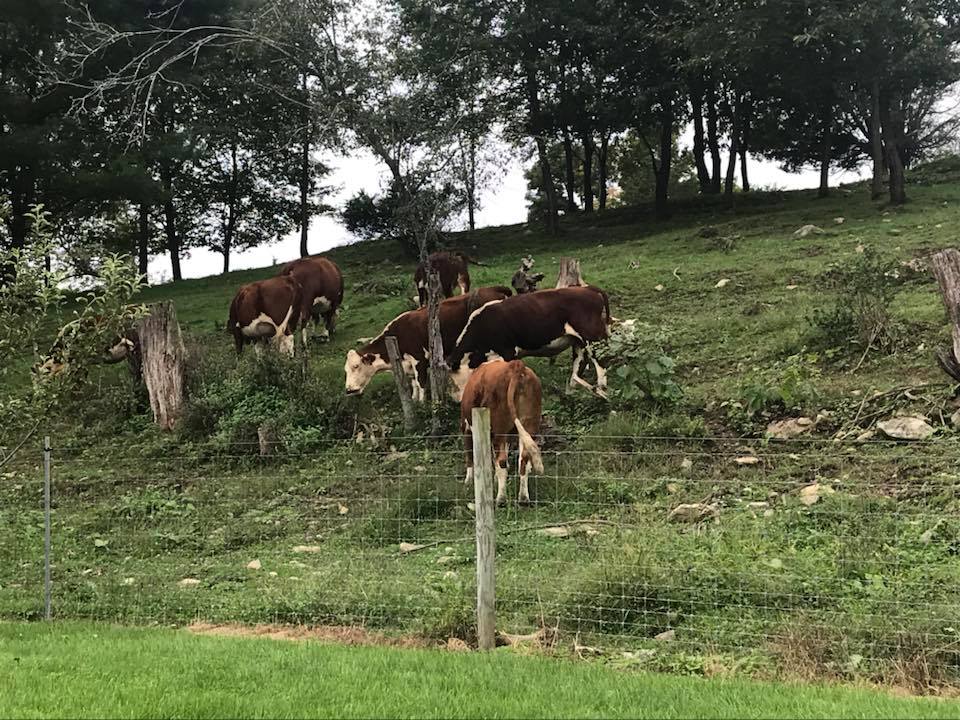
(600,393)
(501,501)
(524,502)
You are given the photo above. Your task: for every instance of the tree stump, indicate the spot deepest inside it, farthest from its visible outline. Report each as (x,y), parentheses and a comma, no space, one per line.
(267,438)
(946,268)
(164,362)
(569,275)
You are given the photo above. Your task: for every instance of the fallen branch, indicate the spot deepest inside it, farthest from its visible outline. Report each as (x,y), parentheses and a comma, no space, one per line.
(510,531)
(23,440)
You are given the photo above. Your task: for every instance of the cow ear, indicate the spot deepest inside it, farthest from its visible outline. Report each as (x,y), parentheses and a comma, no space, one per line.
(368,358)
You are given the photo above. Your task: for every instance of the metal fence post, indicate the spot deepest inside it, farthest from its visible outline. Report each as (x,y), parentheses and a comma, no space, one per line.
(483,501)
(46,528)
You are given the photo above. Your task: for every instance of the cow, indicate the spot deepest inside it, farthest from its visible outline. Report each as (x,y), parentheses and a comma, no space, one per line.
(452,269)
(267,309)
(118,348)
(512,393)
(322,285)
(542,323)
(410,330)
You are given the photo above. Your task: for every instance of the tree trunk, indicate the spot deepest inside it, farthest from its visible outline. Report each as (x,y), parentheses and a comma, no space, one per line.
(743,145)
(734,149)
(143,241)
(587,143)
(876,141)
(569,274)
(568,174)
(662,169)
(170,222)
(713,140)
(232,200)
(164,363)
(946,268)
(602,159)
(305,170)
(402,383)
(891,122)
(438,368)
(535,112)
(699,145)
(472,183)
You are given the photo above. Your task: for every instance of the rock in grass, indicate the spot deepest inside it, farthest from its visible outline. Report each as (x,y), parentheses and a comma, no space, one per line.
(406,547)
(692,512)
(808,230)
(666,636)
(790,428)
(906,427)
(722,282)
(686,465)
(254,565)
(812,493)
(307,549)
(747,460)
(555,532)
(188,582)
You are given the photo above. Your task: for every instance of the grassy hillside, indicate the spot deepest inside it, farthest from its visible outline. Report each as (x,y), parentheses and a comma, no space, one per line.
(161,673)
(860,583)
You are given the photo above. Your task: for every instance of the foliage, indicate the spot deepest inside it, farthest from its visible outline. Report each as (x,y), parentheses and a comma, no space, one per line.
(787,385)
(864,287)
(635,354)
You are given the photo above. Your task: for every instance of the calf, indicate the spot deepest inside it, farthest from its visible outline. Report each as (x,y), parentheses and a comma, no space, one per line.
(542,323)
(321,283)
(512,393)
(265,310)
(410,330)
(452,269)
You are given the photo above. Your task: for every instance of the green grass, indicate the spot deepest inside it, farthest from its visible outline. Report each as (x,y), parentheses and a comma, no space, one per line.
(83,670)
(852,588)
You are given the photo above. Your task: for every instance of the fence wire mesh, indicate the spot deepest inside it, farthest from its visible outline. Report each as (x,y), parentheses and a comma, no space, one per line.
(670,553)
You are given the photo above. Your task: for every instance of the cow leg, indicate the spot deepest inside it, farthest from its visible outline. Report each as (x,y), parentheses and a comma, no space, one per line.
(501,470)
(524,471)
(464,283)
(330,321)
(601,386)
(575,379)
(286,344)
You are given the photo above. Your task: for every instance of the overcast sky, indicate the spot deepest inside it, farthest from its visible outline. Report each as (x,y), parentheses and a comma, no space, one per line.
(502,204)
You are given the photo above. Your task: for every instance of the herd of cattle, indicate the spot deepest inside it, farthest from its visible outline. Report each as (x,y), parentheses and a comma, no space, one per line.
(484,332)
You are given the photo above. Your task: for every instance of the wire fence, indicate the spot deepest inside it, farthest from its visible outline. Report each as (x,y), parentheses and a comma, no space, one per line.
(689,554)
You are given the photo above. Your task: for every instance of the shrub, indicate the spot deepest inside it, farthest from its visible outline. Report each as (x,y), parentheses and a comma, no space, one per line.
(860,316)
(785,386)
(635,353)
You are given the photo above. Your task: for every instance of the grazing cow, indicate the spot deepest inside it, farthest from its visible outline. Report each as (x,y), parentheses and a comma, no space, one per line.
(267,309)
(452,269)
(322,284)
(542,323)
(119,348)
(410,330)
(512,393)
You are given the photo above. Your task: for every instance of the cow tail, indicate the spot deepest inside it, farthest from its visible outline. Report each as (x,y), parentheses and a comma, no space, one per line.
(527,442)
(606,306)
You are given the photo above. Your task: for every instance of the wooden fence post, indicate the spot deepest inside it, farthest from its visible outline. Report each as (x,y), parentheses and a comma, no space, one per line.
(438,370)
(486,546)
(946,268)
(403,384)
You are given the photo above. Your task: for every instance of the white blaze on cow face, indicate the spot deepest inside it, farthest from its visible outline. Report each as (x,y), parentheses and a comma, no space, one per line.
(360,369)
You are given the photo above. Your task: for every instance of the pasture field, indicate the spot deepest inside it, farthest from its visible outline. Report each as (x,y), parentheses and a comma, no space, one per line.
(46,670)
(861,585)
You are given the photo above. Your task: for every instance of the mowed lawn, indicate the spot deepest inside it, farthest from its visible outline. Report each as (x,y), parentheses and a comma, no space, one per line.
(86,670)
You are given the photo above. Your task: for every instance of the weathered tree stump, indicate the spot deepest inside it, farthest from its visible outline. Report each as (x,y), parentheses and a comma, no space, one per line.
(267,438)
(946,268)
(438,368)
(569,275)
(164,363)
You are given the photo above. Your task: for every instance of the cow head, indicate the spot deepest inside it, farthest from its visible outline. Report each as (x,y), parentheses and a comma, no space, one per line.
(360,369)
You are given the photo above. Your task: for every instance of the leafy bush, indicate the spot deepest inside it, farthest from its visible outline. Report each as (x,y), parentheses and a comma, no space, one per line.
(860,316)
(635,353)
(785,386)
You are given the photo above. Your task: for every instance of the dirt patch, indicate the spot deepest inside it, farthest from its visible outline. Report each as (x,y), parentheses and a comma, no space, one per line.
(338,634)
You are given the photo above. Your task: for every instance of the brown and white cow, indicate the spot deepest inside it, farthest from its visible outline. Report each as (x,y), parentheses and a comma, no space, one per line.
(322,285)
(542,323)
(267,310)
(410,330)
(452,269)
(512,393)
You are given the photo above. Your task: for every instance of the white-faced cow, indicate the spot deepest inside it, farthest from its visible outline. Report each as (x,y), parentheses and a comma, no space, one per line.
(267,310)
(57,361)
(512,393)
(543,323)
(410,330)
(322,285)
(452,269)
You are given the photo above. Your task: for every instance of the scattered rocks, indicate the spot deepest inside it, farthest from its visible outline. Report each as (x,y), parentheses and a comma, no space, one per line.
(555,532)
(723,282)
(790,428)
(865,435)
(808,230)
(673,488)
(693,512)
(406,547)
(812,493)
(658,288)
(747,460)
(188,582)
(254,565)
(686,465)
(838,220)
(666,636)
(906,427)
(307,548)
